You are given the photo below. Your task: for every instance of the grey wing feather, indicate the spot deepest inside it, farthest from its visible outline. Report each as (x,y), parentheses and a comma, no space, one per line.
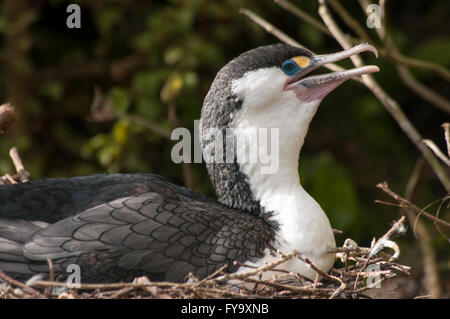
(163,237)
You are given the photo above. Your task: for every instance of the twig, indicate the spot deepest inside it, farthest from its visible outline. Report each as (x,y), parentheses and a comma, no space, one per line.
(406,76)
(288,287)
(269,27)
(349,20)
(395,55)
(150,125)
(391,105)
(211,276)
(380,244)
(10,179)
(16,283)
(421,90)
(334,284)
(396,228)
(303,15)
(399,57)
(51,275)
(121,292)
(431,273)
(120,285)
(437,151)
(391,51)
(17,161)
(285,38)
(51,270)
(266,267)
(412,62)
(437,215)
(330,277)
(406,204)
(101,109)
(446,127)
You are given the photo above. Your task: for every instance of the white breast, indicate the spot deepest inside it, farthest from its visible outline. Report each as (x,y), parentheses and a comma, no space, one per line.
(304,227)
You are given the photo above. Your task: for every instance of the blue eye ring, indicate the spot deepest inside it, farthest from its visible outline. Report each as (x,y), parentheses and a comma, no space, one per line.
(289,67)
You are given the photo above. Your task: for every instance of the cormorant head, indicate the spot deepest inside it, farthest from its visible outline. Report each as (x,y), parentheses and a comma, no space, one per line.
(267,87)
(263,75)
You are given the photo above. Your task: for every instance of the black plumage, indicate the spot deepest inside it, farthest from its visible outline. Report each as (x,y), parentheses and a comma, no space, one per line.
(119,226)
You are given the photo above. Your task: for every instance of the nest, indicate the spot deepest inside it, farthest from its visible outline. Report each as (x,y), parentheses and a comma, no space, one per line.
(362,269)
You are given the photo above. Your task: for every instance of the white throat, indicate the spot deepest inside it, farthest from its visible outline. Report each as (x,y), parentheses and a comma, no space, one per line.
(304,227)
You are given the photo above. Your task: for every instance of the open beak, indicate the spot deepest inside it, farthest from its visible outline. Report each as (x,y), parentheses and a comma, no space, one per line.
(316,87)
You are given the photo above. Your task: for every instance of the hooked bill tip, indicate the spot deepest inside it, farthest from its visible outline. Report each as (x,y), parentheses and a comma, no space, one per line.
(373,68)
(369,47)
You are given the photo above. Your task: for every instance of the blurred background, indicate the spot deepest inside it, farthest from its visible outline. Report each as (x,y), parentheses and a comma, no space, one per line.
(85,98)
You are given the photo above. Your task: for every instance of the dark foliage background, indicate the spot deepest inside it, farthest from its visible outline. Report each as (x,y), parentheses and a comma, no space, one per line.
(144,55)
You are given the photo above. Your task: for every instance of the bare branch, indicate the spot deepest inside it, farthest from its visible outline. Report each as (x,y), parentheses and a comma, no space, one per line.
(391,52)
(430,266)
(285,38)
(408,205)
(391,105)
(16,283)
(437,151)
(17,161)
(421,90)
(299,13)
(396,56)
(406,76)
(150,125)
(446,127)
(349,20)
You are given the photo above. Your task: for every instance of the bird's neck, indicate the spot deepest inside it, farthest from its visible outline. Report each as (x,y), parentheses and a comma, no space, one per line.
(266,152)
(275,184)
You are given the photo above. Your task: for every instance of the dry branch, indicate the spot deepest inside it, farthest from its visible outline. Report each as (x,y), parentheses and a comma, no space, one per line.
(396,56)
(303,15)
(446,127)
(354,25)
(436,150)
(390,104)
(403,203)
(270,28)
(430,265)
(421,90)
(22,174)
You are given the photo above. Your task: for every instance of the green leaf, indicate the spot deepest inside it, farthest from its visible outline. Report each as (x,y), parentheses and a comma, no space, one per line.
(121,131)
(173,55)
(54,90)
(172,88)
(107,19)
(120,99)
(95,143)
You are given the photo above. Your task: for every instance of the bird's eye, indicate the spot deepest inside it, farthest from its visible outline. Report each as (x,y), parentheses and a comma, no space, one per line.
(290,67)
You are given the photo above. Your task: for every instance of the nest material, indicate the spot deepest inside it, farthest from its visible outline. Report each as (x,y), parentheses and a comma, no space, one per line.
(362,269)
